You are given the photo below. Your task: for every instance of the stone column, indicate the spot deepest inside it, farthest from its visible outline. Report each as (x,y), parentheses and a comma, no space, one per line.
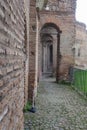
(48,57)
(44,59)
(58,57)
(44,49)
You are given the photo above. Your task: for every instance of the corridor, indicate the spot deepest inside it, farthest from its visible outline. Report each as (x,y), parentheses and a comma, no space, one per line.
(59,107)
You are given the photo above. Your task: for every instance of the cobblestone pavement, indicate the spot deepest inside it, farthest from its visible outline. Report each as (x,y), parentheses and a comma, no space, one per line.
(59,107)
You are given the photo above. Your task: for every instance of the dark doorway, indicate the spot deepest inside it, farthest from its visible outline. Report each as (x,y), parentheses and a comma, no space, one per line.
(50,49)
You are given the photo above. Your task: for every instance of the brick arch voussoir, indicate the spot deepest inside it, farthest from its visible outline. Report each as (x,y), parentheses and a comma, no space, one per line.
(51,24)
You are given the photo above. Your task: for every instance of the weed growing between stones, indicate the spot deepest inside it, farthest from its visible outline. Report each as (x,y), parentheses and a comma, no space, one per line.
(27,107)
(64,82)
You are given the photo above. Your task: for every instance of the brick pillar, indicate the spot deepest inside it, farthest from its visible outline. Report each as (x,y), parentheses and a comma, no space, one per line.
(27,10)
(32,52)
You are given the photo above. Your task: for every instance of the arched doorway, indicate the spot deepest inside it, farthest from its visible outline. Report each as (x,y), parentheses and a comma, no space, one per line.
(50,50)
(47,53)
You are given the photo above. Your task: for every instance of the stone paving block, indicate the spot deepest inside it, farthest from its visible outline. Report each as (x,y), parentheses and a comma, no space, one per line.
(59,107)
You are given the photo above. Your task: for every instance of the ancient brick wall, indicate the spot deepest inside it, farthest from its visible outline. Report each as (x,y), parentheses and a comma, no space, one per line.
(12,57)
(81,45)
(32,51)
(61,5)
(27,11)
(66,23)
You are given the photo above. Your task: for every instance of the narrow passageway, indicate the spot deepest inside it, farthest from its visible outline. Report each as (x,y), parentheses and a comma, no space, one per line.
(59,107)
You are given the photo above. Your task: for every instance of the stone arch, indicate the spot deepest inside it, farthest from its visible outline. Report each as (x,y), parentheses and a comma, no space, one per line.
(50,24)
(50,42)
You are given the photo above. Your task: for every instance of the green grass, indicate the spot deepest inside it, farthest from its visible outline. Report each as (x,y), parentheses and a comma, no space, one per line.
(27,107)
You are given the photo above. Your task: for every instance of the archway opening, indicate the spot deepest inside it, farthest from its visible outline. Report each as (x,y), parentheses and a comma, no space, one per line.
(50,50)
(47,53)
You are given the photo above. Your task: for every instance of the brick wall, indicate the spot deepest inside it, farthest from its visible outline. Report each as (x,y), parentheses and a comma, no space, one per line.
(12,57)
(33,30)
(27,11)
(81,45)
(65,20)
(61,5)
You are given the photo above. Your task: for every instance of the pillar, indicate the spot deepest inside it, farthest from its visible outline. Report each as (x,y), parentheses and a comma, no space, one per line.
(58,57)
(33,52)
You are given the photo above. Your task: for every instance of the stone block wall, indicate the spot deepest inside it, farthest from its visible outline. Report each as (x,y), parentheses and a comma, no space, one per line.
(12,57)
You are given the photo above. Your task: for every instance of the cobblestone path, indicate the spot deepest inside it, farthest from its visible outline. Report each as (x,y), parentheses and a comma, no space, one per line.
(59,107)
